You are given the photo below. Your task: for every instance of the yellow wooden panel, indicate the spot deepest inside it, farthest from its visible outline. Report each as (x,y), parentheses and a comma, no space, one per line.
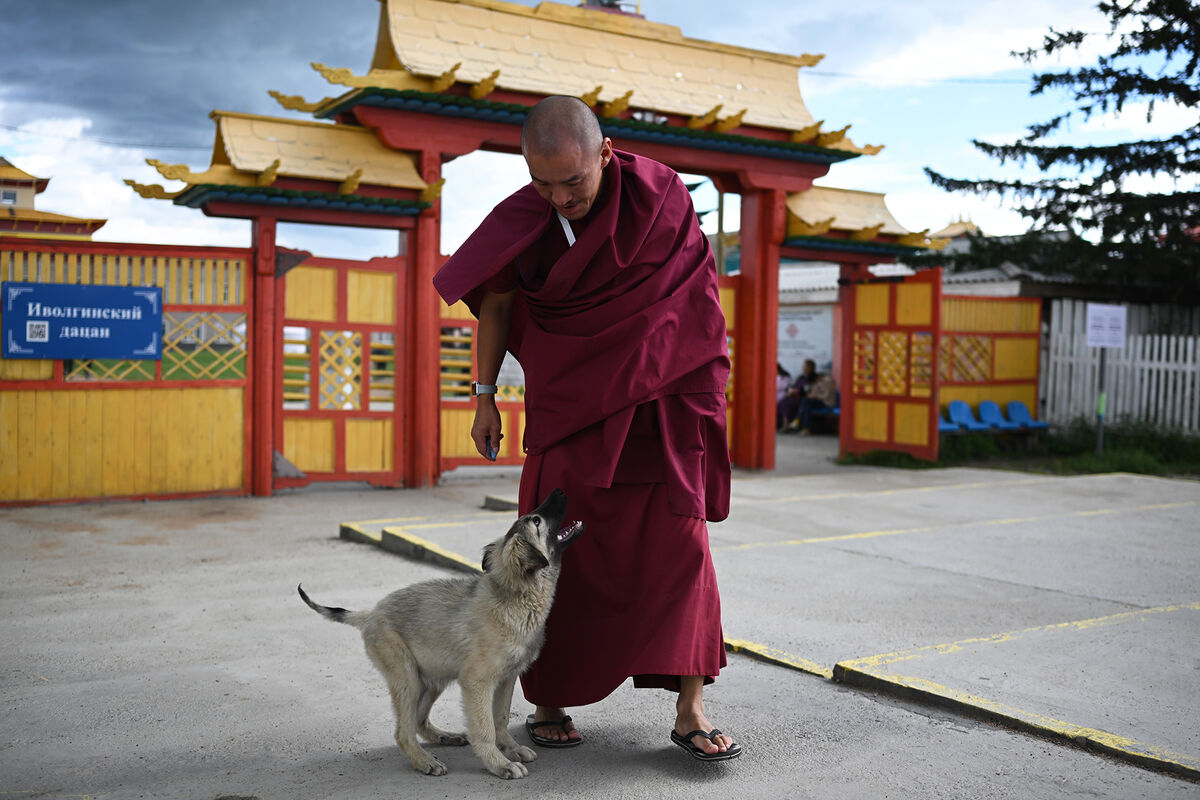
(729,306)
(42,457)
(371,296)
(456,432)
(963,314)
(311,294)
(870,420)
(872,301)
(26,369)
(1016,358)
(9,456)
(159,426)
(60,444)
(910,423)
(308,443)
(26,421)
(457,311)
(203,462)
(914,304)
(368,445)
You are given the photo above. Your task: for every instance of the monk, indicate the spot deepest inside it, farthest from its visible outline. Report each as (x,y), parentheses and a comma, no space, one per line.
(598,279)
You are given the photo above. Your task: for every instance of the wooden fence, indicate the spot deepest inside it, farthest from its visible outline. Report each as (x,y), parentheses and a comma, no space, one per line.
(1155,378)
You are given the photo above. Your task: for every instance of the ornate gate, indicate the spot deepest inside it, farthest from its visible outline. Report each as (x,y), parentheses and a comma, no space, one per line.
(890,363)
(338,417)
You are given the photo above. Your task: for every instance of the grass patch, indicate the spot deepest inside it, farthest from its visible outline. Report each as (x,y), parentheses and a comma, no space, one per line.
(1135,447)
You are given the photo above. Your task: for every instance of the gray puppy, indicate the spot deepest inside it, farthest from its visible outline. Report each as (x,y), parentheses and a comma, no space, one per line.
(482,631)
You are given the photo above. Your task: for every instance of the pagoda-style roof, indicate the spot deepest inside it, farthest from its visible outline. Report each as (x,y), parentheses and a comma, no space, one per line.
(962,227)
(644,76)
(251,153)
(10,174)
(46,225)
(848,219)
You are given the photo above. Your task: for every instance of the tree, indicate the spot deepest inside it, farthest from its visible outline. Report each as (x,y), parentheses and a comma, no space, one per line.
(1125,214)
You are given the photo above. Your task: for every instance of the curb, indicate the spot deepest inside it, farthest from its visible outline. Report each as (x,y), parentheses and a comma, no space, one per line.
(928,693)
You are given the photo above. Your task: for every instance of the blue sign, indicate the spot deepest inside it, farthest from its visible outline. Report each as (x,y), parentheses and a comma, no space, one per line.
(69,320)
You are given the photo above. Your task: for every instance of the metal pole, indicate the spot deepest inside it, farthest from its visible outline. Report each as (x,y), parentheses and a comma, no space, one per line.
(1101,402)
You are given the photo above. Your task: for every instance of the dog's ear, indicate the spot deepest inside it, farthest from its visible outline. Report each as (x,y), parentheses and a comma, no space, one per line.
(488,552)
(537,560)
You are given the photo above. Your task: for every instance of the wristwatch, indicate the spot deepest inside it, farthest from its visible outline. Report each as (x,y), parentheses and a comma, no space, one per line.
(478,388)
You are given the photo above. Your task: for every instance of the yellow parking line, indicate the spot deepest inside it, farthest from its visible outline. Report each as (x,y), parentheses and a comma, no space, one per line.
(884,659)
(887,492)
(955,525)
(780,658)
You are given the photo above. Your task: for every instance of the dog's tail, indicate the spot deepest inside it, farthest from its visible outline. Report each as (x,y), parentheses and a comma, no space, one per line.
(354,618)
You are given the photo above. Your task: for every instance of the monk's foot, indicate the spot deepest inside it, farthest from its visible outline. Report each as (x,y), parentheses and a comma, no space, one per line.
(689,720)
(562,729)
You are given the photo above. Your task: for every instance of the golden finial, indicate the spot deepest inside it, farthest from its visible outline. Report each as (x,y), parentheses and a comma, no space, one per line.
(706,120)
(433,191)
(350,185)
(340,75)
(832,138)
(866,234)
(617,106)
(174,172)
(267,176)
(295,102)
(485,86)
(152,191)
(805,134)
(592,97)
(445,80)
(730,122)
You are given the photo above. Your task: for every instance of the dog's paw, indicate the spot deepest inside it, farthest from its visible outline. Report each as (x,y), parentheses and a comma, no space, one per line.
(430,766)
(453,739)
(511,770)
(525,754)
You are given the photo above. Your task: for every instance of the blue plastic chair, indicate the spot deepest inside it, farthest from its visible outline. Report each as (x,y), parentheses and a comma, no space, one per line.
(946,427)
(1019,414)
(990,414)
(960,414)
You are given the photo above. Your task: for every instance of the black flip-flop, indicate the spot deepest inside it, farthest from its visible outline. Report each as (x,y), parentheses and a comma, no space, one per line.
(541,741)
(685,742)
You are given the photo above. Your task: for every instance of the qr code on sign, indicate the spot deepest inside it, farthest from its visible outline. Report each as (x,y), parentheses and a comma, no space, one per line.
(37,331)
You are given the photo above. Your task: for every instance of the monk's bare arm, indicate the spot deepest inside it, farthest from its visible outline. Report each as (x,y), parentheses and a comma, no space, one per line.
(495,313)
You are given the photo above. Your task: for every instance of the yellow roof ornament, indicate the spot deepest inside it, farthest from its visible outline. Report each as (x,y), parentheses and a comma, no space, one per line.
(730,122)
(433,191)
(152,191)
(485,86)
(832,137)
(396,79)
(173,172)
(614,107)
(922,239)
(695,123)
(799,227)
(295,102)
(807,133)
(592,97)
(446,79)
(267,176)
(868,233)
(350,185)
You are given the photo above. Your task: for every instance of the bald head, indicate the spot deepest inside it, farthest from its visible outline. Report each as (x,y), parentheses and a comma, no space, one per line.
(560,123)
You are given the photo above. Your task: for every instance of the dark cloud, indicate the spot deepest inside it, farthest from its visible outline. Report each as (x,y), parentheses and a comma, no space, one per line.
(151,71)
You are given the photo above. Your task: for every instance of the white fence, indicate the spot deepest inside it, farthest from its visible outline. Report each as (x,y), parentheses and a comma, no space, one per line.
(1155,378)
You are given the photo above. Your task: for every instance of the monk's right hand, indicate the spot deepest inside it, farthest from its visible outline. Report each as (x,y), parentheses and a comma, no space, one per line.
(486,431)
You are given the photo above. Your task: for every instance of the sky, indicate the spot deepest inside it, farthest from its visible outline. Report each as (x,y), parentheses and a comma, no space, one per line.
(89,90)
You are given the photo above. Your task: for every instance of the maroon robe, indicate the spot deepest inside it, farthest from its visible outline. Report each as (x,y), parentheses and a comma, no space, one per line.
(622,340)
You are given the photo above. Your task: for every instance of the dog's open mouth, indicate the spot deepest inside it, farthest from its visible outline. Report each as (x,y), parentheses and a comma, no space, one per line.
(569,531)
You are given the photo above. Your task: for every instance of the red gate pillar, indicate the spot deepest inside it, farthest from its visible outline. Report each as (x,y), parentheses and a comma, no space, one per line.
(422,458)
(264,379)
(757,344)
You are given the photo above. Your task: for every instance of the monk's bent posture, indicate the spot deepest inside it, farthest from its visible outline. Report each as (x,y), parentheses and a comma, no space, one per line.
(598,279)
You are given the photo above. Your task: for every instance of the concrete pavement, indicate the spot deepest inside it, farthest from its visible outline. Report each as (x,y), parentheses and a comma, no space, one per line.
(159,650)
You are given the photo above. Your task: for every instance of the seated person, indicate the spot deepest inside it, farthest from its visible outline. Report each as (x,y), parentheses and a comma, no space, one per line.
(788,409)
(822,394)
(783,382)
